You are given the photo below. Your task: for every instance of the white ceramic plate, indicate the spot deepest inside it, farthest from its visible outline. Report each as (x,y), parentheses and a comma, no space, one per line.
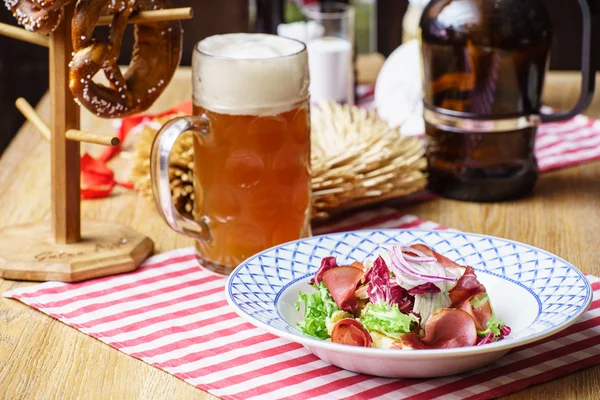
(536,293)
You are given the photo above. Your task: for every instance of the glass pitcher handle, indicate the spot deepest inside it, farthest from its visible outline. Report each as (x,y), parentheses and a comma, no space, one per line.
(159,173)
(589,51)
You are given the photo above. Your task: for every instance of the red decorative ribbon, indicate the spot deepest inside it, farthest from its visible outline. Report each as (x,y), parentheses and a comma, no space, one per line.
(97,179)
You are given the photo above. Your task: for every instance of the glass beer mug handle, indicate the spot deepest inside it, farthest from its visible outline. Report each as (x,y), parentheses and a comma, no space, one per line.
(159,170)
(590,42)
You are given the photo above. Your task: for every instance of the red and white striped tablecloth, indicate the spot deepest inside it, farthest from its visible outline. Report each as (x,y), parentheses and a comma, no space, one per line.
(564,144)
(173,315)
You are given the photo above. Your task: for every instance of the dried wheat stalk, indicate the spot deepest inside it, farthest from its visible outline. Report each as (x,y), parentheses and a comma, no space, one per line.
(357,159)
(181,168)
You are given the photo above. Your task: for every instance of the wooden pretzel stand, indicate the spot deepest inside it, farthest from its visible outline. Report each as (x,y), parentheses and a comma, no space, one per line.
(64,249)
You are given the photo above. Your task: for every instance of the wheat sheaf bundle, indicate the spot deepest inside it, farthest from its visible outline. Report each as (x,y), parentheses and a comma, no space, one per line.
(356,160)
(181,165)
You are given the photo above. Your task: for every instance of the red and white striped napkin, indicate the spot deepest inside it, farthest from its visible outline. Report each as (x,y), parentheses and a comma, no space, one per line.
(563,144)
(173,315)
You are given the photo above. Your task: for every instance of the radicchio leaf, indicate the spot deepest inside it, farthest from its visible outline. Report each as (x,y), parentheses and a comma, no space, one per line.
(489,338)
(326,264)
(381,288)
(399,295)
(378,277)
(425,288)
(376,269)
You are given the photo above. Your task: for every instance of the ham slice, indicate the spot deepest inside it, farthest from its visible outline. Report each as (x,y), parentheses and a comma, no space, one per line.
(466,307)
(350,331)
(341,283)
(411,341)
(483,313)
(466,287)
(447,329)
(444,261)
(450,328)
(326,264)
(480,314)
(358,264)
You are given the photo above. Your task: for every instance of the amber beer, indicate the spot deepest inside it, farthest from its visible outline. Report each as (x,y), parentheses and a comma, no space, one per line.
(253,176)
(251,147)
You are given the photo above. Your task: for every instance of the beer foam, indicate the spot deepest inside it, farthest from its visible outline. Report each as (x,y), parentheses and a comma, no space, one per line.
(250,74)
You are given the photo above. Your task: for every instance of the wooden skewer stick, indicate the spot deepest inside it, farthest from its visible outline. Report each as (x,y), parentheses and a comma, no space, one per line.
(80,136)
(24,35)
(171,14)
(33,117)
(144,16)
(72,134)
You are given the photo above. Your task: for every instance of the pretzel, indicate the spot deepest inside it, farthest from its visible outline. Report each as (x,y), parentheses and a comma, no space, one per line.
(156,56)
(37,15)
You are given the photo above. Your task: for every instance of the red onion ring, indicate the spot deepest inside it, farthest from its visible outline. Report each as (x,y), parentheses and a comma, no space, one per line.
(410,258)
(402,265)
(421,257)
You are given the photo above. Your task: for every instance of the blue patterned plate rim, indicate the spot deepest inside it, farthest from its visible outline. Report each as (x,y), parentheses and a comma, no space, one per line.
(503,345)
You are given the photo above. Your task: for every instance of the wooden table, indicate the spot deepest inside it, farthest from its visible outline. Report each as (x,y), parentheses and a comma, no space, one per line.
(41,357)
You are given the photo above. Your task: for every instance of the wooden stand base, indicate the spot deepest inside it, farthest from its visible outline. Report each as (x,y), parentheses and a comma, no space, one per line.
(28,252)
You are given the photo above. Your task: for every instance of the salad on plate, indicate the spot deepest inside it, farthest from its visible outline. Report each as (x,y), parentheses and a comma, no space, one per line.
(407,297)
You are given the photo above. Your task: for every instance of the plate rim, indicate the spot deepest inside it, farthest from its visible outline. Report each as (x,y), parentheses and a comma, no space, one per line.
(503,345)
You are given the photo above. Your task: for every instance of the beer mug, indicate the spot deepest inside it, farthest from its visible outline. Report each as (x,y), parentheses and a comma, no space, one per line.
(251,148)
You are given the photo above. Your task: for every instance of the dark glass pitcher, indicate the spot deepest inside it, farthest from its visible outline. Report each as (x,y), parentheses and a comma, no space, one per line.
(484,63)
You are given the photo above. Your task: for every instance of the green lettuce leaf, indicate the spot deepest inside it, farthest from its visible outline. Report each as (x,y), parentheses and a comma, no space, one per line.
(494,325)
(386,319)
(317,307)
(479,300)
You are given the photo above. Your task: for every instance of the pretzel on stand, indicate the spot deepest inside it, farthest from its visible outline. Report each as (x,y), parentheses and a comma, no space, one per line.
(94,249)
(156,55)
(37,15)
